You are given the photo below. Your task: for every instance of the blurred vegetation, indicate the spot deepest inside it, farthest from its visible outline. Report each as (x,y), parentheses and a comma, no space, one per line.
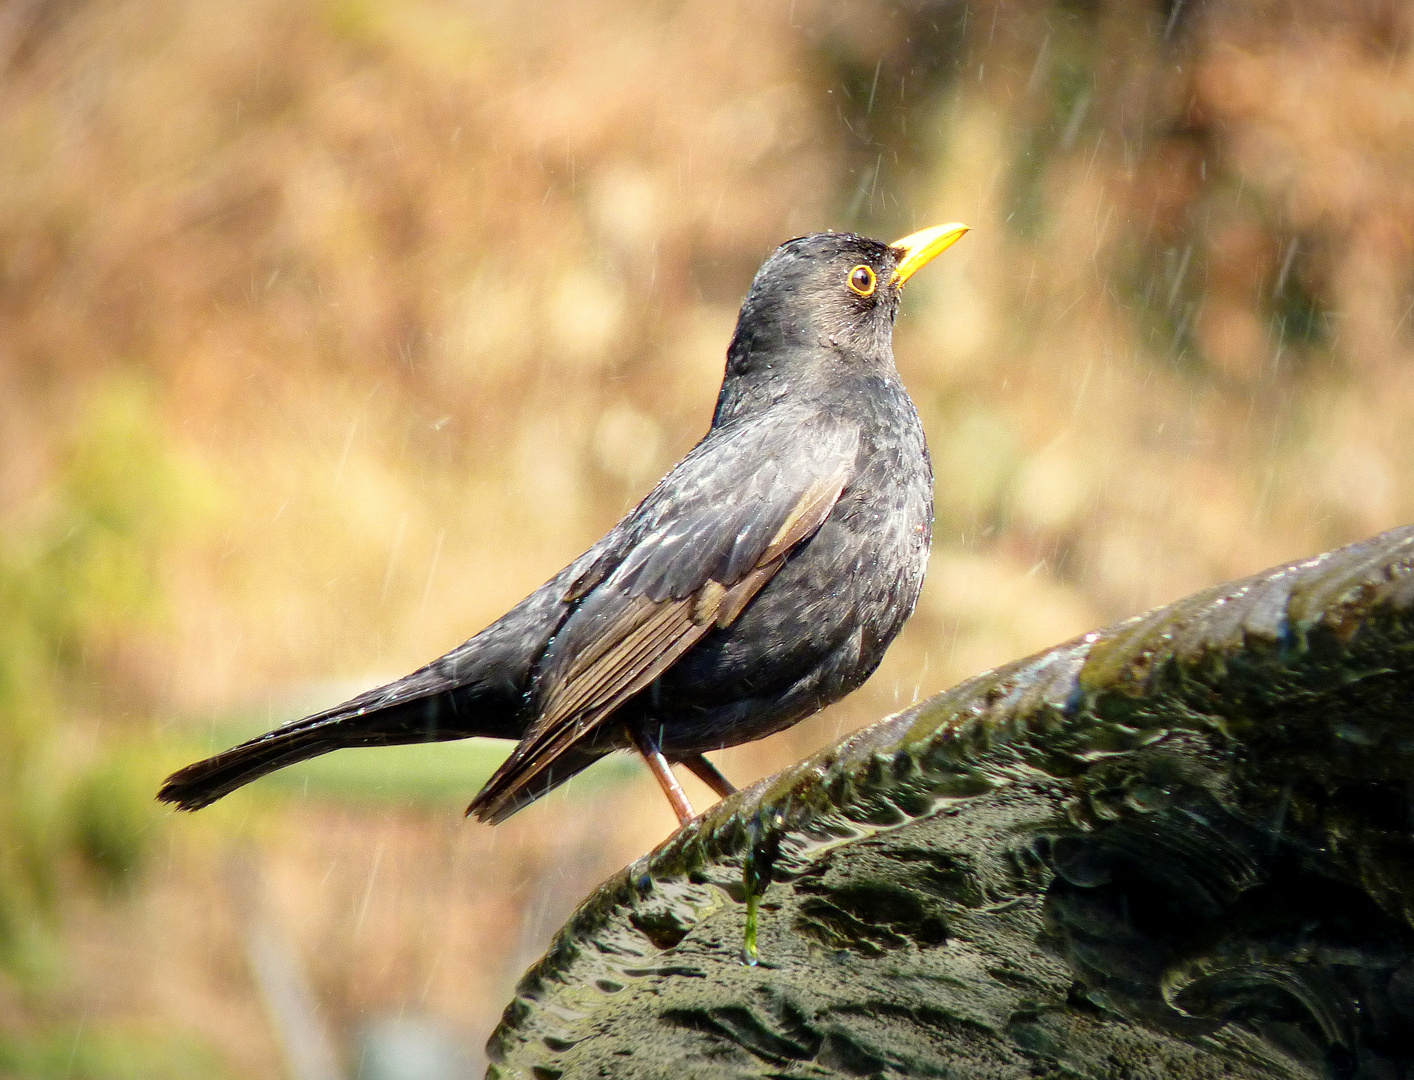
(76,1054)
(79,582)
(433,291)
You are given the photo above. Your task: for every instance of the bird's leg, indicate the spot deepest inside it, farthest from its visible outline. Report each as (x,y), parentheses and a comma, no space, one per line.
(710,775)
(663,773)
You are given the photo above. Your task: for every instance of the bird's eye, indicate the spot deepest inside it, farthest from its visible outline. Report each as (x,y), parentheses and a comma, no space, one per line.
(861,280)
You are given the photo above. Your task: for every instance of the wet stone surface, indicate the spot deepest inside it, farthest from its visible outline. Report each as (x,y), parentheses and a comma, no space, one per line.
(1183,846)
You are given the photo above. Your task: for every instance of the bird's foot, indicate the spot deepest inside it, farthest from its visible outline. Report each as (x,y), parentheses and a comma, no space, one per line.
(663,773)
(710,775)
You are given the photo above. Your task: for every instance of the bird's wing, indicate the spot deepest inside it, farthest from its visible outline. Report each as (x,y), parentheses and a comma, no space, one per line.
(690,558)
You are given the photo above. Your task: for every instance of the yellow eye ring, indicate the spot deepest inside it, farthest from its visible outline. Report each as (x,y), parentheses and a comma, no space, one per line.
(862,281)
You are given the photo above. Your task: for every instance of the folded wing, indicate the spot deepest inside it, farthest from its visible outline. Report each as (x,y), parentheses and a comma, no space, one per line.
(692,556)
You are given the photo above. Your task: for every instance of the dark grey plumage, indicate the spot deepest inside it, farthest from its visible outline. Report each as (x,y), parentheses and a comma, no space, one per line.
(760,580)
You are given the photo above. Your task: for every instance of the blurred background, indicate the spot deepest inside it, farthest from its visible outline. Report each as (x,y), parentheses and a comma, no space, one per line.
(330,329)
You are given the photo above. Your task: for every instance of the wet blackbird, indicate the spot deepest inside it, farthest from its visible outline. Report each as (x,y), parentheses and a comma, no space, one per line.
(761,580)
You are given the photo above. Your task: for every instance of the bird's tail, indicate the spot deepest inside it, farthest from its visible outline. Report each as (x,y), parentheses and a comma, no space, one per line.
(478,688)
(387,716)
(206,781)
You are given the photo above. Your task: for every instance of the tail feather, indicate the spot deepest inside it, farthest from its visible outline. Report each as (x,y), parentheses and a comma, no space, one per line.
(206,781)
(378,718)
(478,688)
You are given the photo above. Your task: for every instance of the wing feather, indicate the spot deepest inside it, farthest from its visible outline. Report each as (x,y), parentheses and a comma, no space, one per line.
(691,558)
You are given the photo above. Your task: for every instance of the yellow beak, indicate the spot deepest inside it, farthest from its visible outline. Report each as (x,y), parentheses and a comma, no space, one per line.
(922,247)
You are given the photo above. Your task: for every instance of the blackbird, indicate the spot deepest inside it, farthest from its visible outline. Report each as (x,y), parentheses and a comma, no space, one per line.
(759,581)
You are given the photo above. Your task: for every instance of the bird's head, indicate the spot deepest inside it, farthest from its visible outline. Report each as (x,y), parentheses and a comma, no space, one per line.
(830,294)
